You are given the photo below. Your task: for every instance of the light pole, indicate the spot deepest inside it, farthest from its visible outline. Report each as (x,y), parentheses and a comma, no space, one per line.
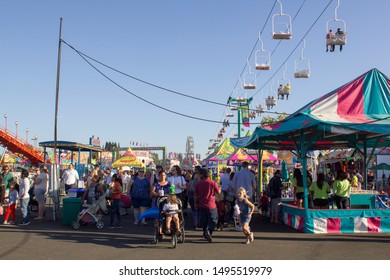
(56,177)
(5,121)
(26,135)
(16,124)
(35,139)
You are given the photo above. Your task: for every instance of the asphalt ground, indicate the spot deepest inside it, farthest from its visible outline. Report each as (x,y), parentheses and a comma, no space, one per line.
(51,240)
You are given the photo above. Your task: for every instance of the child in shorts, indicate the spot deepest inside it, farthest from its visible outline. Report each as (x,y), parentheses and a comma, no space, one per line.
(171,210)
(246,211)
(12,200)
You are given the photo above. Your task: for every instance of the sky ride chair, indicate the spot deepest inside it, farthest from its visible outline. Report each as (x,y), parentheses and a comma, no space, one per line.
(302,65)
(270,101)
(259,109)
(262,58)
(336,38)
(283,23)
(249,78)
(284,86)
(229,115)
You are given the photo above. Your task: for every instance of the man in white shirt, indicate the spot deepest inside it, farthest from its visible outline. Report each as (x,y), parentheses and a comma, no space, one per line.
(108,177)
(71,178)
(125,180)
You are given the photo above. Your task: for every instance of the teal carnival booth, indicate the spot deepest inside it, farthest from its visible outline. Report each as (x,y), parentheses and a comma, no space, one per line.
(355,115)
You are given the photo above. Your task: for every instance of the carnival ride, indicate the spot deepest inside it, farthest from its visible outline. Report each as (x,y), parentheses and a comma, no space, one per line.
(15,144)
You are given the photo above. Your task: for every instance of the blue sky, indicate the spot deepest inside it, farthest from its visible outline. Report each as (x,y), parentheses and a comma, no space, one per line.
(198,48)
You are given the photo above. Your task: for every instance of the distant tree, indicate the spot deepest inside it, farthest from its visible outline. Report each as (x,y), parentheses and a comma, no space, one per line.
(156,160)
(180,157)
(270,120)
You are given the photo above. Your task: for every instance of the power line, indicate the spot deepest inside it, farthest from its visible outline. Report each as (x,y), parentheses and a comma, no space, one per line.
(137,96)
(84,56)
(288,57)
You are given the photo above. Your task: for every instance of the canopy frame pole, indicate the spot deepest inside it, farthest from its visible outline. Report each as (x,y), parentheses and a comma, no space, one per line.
(259,172)
(365,163)
(303,150)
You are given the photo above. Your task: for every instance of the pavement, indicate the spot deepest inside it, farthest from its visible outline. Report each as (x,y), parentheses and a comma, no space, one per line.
(51,240)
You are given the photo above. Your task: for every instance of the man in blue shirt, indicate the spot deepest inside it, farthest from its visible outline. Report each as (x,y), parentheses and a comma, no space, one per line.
(246,179)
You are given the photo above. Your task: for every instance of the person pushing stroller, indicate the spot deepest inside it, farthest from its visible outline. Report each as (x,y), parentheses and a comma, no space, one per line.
(171,211)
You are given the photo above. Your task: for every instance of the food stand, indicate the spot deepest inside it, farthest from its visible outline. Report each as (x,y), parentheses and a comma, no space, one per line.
(355,115)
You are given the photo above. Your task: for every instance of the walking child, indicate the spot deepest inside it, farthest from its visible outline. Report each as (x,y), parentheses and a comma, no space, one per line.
(221,208)
(12,199)
(116,191)
(246,211)
(264,203)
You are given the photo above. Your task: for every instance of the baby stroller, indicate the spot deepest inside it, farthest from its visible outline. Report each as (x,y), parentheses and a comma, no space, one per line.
(32,203)
(91,214)
(160,224)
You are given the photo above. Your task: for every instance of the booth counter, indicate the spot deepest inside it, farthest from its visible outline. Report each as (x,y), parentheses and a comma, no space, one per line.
(337,221)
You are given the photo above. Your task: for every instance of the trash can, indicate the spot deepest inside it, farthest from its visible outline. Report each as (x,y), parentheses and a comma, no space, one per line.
(76,192)
(71,207)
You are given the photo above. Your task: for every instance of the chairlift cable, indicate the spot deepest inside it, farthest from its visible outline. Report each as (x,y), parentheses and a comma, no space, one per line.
(143,99)
(292,52)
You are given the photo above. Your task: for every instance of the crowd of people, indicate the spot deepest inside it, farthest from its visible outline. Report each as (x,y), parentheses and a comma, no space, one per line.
(211,202)
(328,189)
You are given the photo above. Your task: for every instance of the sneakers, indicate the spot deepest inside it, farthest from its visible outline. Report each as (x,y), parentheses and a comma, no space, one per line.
(11,223)
(247,241)
(24,224)
(251,237)
(111,227)
(208,236)
(6,223)
(123,211)
(119,226)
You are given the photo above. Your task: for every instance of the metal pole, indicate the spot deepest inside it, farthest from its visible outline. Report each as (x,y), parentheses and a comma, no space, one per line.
(55,171)
(239,120)
(302,151)
(5,118)
(16,124)
(26,135)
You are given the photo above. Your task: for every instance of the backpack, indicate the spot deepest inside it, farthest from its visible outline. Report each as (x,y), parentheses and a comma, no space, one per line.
(269,191)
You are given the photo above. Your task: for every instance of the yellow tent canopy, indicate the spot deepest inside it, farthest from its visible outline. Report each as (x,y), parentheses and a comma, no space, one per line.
(128,159)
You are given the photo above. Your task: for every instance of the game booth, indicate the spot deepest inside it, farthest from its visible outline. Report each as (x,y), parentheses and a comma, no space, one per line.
(355,115)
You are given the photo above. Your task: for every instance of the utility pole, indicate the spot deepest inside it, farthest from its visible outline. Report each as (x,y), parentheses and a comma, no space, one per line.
(56,191)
